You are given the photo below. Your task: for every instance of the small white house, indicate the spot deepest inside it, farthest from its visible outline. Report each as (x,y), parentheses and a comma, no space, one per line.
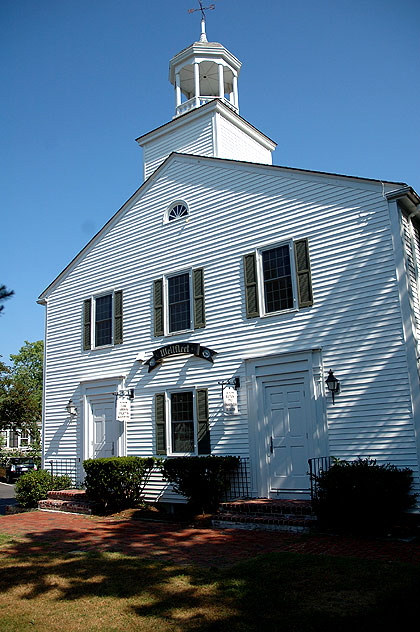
(207,314)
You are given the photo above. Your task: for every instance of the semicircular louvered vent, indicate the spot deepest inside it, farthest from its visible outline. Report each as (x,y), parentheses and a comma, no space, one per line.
(177,211)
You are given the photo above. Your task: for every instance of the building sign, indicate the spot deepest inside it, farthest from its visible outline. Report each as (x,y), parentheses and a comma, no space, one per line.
(230,401)
(123,409)
(179,348)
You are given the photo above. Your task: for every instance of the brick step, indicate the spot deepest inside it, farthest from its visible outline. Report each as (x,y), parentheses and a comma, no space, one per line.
(268,508)
(68,506)
(77,495)
(291,523)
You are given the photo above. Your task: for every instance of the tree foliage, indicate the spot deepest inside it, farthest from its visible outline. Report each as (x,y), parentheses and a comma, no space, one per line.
(4,294)
(21,389)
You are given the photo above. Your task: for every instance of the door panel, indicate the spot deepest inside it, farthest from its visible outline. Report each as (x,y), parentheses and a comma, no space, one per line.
(105,429)
(287,425)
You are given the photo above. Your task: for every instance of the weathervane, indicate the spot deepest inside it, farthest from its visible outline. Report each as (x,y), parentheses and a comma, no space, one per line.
(202,9)
(203,37)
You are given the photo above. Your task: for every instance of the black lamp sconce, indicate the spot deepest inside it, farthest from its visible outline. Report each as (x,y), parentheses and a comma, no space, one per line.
(71,409)
(125,392)
(233,381)
(333,384)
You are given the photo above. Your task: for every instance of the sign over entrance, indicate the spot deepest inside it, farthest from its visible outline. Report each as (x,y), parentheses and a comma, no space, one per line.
(179,348)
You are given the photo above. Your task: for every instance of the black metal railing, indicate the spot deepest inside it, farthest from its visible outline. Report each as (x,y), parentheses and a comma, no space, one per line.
(238,482)
(69,467)
(316,466)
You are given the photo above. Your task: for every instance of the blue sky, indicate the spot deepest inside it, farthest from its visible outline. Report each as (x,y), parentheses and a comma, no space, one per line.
(335,83)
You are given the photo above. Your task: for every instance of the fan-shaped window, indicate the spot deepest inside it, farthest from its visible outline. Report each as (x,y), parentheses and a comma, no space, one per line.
(177,211)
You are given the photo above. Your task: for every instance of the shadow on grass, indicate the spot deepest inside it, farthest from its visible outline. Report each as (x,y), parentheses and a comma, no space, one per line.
(277,591)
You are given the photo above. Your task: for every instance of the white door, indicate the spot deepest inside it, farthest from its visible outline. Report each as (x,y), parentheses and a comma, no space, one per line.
(286,416)
(105,428)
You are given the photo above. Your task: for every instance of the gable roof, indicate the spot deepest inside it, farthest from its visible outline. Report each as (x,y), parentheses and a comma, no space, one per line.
(42,299)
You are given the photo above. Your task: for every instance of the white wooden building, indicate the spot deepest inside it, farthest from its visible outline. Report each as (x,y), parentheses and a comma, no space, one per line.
(223,266)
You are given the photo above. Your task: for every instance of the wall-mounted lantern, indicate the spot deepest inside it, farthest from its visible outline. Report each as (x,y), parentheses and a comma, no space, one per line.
(333,384)
(233,381)
(71,409)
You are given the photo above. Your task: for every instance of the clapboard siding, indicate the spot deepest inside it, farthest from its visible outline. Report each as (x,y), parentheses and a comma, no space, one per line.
(195,139)
(235,209)
(231,143)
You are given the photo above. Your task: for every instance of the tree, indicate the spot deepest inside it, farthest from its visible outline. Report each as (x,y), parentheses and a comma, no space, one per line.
(21,389)
(4,295)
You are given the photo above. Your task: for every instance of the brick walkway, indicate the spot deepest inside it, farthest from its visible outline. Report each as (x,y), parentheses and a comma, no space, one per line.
(42,531)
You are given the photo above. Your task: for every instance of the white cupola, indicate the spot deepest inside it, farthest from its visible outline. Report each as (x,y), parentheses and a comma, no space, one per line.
(202,72)
(206,121)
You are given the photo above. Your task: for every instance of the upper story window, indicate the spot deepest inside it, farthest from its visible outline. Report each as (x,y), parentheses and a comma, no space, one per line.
(278,279)
(179,302)
(177,210)
(102,320)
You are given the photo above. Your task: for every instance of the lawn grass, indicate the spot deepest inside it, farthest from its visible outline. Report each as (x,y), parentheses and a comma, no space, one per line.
(281,592)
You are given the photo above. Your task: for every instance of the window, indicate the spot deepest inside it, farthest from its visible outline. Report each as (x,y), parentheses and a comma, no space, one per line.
(13,439)
(182,422)
(278,279)
(179,305)
(102,320)
(177,210)
(179,302)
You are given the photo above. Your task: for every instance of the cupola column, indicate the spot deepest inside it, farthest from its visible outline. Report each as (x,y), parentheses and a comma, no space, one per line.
(235,91)
(221,82)
(197,83)
(178,97)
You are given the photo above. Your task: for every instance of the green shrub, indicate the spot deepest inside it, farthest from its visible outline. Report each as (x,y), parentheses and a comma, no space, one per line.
(361,496)
(201,479)
(34,486)
(118,482)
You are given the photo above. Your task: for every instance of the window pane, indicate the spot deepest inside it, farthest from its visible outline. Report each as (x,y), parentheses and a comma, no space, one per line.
(179,302)
(182,422)
(13,439)
(103,320)
(278,290)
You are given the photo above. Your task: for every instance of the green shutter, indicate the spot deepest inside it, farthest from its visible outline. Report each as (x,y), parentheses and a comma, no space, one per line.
(118,318)
(303,273)
(87,328)
(251,286)
(160,423)
(158,307)
(203,430)
(198,290)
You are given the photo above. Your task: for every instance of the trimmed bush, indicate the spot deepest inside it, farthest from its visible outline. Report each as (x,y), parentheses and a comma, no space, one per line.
(361,496)
(118,482)
(34,486)
(201,479)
